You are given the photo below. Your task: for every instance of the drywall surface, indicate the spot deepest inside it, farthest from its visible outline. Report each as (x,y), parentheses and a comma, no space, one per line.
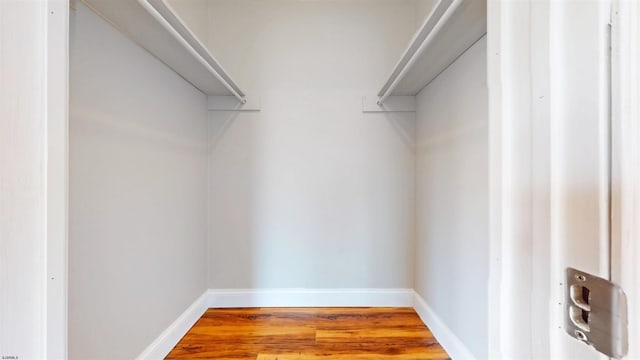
(22,179)
(138,190)
(452,247)
(310,192)
(194,13)
(423,9)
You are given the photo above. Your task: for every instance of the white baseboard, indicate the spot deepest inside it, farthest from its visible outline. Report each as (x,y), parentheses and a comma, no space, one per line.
(233,298)
(449,341)
(309,297)
(164,343)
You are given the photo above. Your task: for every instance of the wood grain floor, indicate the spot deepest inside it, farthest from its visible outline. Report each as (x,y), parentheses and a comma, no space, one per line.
(309,334)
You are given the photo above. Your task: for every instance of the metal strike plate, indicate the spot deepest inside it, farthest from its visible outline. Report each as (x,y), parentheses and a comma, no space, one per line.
(596,313)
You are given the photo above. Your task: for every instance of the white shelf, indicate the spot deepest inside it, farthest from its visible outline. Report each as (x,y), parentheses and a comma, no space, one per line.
(156,27)
(449,30)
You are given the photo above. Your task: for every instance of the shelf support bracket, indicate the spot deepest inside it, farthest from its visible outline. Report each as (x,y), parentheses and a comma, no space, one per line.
(371,104)
(231,103)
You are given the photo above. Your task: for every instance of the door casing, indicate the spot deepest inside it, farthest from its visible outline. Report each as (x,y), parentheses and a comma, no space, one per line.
(529,45)
(56,172)
(625,191)
(518,224)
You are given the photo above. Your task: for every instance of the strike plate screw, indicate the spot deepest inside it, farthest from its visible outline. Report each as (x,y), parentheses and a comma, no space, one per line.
(580,335)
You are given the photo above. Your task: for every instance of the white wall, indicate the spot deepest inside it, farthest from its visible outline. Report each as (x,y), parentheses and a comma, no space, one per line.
(452,248)
(194,13)
(138,192)
(423,9)
(310,192)
(22,179)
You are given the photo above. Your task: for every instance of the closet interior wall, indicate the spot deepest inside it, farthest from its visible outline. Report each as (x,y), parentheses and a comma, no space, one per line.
(452,168)
(138,193)
(194,13)
(310,192)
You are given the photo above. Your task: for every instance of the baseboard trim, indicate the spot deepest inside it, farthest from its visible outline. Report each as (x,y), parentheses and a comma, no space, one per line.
(233,298)
(449,341)
(164,343)
(228,298)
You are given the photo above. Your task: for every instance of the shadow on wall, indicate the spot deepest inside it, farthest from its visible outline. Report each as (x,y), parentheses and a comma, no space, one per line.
(405,127)
(219,123)
(231,172)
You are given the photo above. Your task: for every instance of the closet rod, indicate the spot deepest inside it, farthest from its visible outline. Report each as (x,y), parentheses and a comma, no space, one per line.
(167,17)
(417,46)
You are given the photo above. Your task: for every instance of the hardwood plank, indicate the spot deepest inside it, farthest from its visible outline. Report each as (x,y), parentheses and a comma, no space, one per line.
(253,334)
(306,356)
(309,333)
(385,335)
(326,319)
(328,351)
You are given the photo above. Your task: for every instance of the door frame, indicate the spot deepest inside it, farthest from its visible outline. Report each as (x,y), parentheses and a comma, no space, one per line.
(519,189)
(625,192)
(517,225)
(523,249)
(56,85)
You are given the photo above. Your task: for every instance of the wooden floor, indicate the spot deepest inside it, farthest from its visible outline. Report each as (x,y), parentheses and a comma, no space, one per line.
(309,334)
